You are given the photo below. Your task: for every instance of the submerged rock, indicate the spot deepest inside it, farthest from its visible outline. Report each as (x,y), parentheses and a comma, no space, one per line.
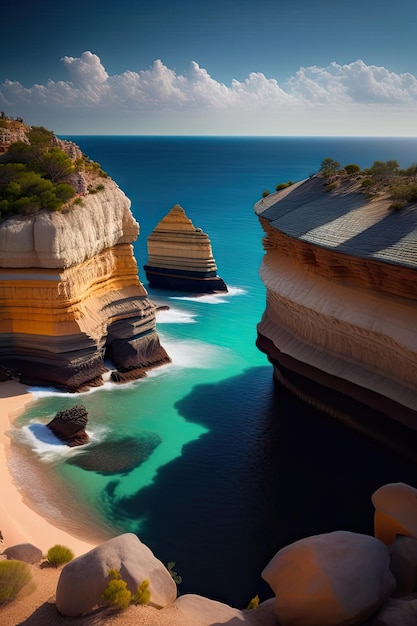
(116,457)
(180,256)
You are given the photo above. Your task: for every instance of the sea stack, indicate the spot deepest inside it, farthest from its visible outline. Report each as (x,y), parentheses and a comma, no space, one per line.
(340,271)
(180,257)
(69,287)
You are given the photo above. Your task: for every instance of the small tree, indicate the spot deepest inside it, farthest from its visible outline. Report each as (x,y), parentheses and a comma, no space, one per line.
(351,169)
(329,167)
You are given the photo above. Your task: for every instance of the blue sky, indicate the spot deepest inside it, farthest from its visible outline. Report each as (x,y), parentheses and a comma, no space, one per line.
(234,67)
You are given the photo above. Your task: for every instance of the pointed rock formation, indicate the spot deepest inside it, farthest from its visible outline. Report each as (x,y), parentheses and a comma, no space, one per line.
(70,295)
(180,256)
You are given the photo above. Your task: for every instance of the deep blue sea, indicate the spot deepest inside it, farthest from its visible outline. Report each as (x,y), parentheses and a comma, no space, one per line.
(233,469)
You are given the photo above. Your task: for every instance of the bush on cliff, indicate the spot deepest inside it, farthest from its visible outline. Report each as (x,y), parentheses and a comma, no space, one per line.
(33,175)
(14,576)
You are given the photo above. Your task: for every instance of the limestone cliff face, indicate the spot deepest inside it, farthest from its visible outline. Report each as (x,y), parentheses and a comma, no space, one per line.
(71,297)
(340,273)
(180,256)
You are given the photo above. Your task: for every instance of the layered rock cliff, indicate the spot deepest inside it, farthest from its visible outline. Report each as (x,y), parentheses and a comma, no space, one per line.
(180,256)
(340,272)
(70,294)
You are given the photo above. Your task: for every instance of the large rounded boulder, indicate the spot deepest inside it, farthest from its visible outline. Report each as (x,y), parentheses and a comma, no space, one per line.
(83,580)
(333,579)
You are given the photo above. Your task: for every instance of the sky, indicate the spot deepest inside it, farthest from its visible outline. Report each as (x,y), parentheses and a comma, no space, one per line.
(211,67)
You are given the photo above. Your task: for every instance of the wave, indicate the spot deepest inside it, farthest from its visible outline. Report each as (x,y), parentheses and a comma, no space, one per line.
(41,441)
(213,298)
(192,353)
(175,316)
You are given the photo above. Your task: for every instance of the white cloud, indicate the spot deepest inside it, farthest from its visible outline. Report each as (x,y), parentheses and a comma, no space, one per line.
(355,92)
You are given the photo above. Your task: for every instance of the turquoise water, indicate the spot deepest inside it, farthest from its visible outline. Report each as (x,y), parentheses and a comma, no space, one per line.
(231,468)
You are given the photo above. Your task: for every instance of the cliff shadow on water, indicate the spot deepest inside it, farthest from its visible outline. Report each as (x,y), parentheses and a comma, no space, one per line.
(269,471)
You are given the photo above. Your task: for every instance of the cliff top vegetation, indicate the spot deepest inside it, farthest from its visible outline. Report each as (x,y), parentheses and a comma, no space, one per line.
(383,178)
(38,171)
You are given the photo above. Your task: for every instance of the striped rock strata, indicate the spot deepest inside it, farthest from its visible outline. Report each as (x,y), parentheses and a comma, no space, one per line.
(71,297)
(340,320)
(180,256)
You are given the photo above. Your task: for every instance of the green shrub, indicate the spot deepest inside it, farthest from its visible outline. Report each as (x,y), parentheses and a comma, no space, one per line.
(398,205)
(58,555)
(254,603)
(265,193)
(143,594)
(281,186)
(116,593)
(100,187)
(351,169)
(329,167)
(174,575)
(14,575)
(78,200)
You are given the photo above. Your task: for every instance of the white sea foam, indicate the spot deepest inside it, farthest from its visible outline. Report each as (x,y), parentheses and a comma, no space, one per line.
(175,316)
(191,353)
(41,440)
(214,298)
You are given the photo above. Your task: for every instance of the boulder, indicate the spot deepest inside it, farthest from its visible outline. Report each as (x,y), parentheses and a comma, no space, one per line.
(24,552)
(395,511)
(334,579)
(396,613)
(403,552)
(83,580)
(69,425)
(204,612)
(200,611)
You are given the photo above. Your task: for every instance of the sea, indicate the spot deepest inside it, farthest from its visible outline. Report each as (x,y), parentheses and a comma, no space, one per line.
(222,468)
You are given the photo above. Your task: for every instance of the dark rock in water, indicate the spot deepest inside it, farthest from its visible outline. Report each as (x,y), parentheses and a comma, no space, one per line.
(69,425)
(118,456)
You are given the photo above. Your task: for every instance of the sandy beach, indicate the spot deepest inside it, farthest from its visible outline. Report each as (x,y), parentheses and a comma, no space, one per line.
(19,523)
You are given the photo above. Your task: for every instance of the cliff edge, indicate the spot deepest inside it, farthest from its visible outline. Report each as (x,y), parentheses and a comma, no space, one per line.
(340,271)
(72,305)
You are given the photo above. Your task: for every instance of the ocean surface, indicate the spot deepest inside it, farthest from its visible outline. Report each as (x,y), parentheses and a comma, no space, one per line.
(229,468)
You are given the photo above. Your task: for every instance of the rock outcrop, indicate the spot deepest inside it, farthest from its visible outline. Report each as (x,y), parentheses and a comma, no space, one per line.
(69,426)
(334,579)
(339,327)
(339,578)
(70,292)
(84,579)
(180,257)
(26,552)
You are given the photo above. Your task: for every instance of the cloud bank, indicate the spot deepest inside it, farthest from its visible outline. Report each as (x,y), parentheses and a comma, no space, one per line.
(353,99)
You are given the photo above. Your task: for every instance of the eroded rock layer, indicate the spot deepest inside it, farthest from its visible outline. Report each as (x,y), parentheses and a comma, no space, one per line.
(180,256)
(71,298)
(340,319)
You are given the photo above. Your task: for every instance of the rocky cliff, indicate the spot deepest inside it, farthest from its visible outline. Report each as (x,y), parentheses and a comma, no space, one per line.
(339,326)
(70,294)
(180,256)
